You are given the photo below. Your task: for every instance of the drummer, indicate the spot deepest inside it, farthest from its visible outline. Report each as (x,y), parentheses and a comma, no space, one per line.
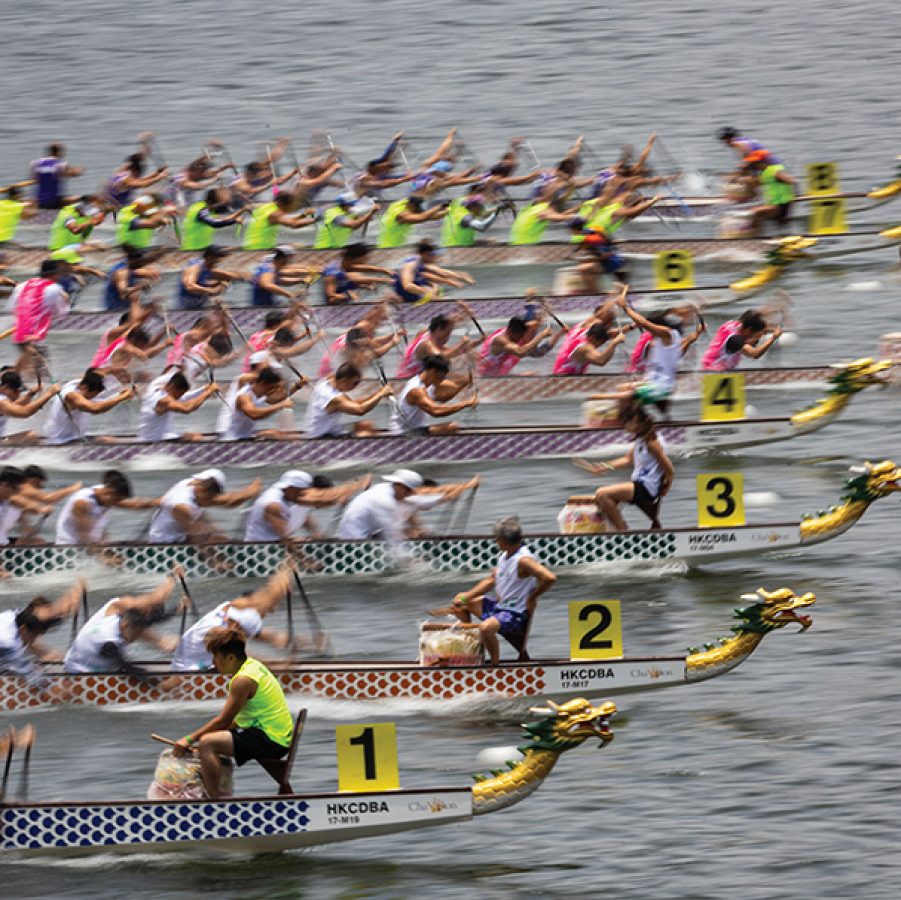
(255,722)
(101,644)
(246,613)
(285,507)
(515,585)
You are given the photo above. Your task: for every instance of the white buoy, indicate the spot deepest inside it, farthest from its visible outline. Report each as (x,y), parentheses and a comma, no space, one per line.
(496,757)
(750,410)
(863,286)
(787,339)
(759,499)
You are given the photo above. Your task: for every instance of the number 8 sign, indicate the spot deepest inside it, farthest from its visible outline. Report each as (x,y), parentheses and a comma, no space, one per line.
(721,500)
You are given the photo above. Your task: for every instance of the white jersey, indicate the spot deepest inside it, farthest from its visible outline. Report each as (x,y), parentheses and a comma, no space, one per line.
(9,515)
(65,521)
(10,640)
(164,529)
(319,421)
(511,590)
(64,425)
(375,513)
(225,409)
(258,528)
(646,468)
(100,629)
(191,653)
(151,425)
(662,365)
(240,426)
(405,417)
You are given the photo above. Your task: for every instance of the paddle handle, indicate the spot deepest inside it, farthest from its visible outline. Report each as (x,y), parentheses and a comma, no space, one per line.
(163,740)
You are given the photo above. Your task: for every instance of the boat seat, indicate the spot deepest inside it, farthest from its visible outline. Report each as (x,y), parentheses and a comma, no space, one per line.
(280,769)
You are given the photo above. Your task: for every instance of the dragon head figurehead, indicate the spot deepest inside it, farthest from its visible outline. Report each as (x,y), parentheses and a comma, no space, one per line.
(568,725)
(849,378)
(872,481)
(771,610)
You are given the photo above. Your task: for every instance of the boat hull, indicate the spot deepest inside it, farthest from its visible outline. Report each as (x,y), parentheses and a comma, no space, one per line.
(243,825)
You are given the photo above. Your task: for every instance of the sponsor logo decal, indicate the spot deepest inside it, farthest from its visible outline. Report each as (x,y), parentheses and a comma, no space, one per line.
(435,805)
(355,807)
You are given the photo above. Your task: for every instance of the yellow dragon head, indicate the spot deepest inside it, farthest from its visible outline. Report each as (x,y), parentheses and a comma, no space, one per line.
(859,374)
(568,725)
(773,609)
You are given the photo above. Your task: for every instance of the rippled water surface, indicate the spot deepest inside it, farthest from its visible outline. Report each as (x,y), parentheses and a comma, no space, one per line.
(778,780)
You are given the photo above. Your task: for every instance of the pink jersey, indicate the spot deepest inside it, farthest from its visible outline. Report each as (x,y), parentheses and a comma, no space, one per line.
(33,320)
(105,351)
(715,358)
(563,364)
(177,351)
(327,363)
(639,355)
(491,364)
(260,340)
(411,365)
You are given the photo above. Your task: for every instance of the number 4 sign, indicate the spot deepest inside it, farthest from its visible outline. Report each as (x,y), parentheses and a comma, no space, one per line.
(367,757)
(723,397)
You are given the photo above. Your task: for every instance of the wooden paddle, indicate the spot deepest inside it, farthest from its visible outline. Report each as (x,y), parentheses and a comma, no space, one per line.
(594,468)
(316,625)
(24,742)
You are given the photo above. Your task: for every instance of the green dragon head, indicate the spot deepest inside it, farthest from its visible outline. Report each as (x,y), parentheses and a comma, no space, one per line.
(568,725)
(874,480)
(772,610)
(789,249)
(849,378)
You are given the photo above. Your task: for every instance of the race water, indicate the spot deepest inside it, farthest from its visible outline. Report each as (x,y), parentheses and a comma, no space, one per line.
(778,780)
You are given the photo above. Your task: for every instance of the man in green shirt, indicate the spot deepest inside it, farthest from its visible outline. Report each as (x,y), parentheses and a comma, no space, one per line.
(255,722)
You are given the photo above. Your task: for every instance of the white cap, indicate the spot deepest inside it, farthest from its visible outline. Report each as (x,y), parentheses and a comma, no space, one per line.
(260,356)
(216,475)
(146,199)
(286,249)
(295,478)
(347,198)
(407,477)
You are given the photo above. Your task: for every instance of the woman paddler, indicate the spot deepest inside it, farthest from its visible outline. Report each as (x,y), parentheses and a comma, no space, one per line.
(737,338)
(255,722)
(652,471)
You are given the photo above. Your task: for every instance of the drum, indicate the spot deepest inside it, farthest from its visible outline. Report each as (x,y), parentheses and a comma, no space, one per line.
(600,413)
(449,644)
(581,516)
(178,778)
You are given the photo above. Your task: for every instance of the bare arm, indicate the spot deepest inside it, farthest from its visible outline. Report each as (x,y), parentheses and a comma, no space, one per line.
(529,567)
(345,404)
(656,450)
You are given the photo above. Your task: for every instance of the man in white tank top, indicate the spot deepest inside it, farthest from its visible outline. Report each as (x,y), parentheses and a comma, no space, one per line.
(181,515)
(330,403)
(425,397)
(14,502)
(101,644)
(13,405)
(166,396)
(515,586)
(258,400)
(83,518)
(77,400)
(283,509)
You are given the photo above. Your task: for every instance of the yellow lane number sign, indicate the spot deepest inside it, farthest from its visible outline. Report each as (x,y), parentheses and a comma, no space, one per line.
(822,178)
(721,500)
(723,397)
(674,270)
(827,216)
(367,757)
(595,629)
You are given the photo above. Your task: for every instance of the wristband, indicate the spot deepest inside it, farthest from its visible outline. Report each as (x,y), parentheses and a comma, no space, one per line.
(460,599)
(189,740)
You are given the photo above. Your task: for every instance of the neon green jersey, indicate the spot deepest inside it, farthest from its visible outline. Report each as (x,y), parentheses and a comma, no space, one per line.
(267,709)
(10,216)
(391,232)
(331,235)
(196,235)
(60,236)
(775,192)
(125,234)
(453,232)
(527,227)
(261,234)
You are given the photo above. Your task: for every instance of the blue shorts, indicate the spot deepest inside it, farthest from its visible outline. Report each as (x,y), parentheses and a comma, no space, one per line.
(611,263)
(512,622)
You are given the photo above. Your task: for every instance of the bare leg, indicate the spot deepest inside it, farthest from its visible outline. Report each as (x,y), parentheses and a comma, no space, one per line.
(488,633)
(444,428)
(608,500)
(365,429)
(211,747)
(465,613)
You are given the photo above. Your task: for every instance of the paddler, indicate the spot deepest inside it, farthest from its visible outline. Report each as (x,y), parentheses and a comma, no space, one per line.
(399,219)
(134,345)
(21,638)
(582,348)
(427,396)
(128,279)
(137,222)
(743,145)
(102,643)
(432,341)
(50,174)
(14,502)
(245,613)
(777,187)
(331,402)
(205,217)
(339,222)
(652,471)
(532,221)
(199,175)
(506,600)
(130,177)
(275,274)
(34,304)
(505,348)
(466,218)
(737,338)
(78,399)
(255,722)
(419,276)
(83,519)
(384,511)
(14,210)
(204,279)
(262,230)
(344,279)
(285,508)
(13,405)
(261,399)
(74,223)
(181,517)
(168,395)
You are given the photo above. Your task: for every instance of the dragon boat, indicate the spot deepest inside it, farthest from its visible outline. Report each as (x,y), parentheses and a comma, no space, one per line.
(20,259)
(355,680)
(477,553)
(486,444)
(288,821)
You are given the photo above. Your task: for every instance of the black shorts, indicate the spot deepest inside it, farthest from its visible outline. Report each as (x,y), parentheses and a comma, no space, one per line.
(642,498)
(253,743)
(782,211)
